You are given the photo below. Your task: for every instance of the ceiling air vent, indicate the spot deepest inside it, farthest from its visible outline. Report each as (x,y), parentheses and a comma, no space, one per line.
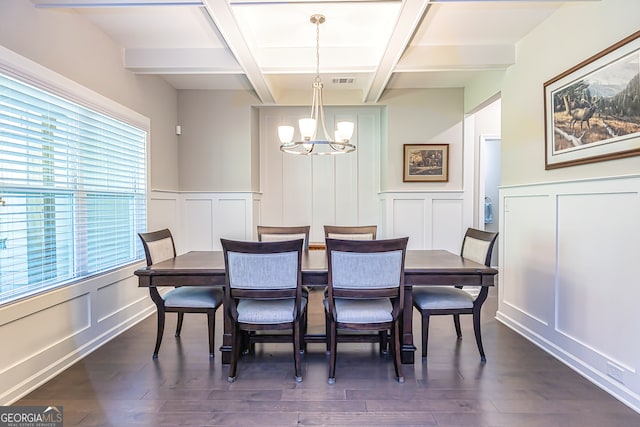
(343,80)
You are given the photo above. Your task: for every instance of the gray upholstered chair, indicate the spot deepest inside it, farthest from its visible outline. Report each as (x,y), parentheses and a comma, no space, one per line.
(159,246)
(365,292)
(355,232)
(268,233)
(277,234)
(263,292)
(477,246)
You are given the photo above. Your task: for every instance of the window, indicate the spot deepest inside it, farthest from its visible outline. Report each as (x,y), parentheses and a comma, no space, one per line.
(72,189)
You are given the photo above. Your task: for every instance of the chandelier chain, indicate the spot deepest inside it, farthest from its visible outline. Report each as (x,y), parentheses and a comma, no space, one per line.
(317,50)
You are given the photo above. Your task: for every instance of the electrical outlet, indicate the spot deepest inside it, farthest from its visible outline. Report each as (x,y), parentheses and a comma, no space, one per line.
(615,372)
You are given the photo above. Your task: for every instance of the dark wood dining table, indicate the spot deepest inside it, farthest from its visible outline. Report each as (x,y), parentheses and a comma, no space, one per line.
(422,267)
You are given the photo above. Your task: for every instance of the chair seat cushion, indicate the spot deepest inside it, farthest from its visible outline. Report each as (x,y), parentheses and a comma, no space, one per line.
(362,310)
(267,312)
(194,297)
(441,297)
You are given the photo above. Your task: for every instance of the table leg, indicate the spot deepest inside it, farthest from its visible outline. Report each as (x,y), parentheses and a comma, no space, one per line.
(406,328)
(227,341)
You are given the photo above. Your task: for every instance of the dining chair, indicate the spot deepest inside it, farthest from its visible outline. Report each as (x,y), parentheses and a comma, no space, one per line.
(477,246)
(365,292)
(263,292)
(268,233)
(355,232)
(159,246)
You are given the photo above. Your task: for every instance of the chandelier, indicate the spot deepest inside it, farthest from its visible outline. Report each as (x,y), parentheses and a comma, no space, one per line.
(311,143)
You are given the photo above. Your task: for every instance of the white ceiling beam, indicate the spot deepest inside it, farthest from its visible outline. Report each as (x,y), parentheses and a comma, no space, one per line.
(222,16)
(112,3)
(451,58)
(181,60)
(408,20)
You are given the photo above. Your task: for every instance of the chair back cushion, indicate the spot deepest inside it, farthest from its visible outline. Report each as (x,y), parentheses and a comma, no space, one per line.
(351,236)
(375,270)
(161,250)
(476,249)
(277,237)
(263,271)
(271,233)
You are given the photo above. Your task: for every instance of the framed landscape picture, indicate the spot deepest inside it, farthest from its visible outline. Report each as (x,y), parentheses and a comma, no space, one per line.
(426,163)
(592,111)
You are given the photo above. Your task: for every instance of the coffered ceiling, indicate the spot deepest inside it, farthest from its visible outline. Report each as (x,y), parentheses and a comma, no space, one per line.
(268,46)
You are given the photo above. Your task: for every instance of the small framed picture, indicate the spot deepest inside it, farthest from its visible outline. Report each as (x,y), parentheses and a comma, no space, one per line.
(426,163)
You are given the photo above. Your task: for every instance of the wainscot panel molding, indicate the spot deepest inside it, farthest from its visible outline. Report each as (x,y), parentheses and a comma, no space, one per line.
(432,220)
(569,276)
(51,331)
(209,216)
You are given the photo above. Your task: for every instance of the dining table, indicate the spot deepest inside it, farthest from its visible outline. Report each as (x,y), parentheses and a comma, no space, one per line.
(422,267)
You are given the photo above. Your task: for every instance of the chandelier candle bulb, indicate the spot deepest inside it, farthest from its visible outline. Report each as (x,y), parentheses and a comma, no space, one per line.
(345,131)
(285,133)
(307,129)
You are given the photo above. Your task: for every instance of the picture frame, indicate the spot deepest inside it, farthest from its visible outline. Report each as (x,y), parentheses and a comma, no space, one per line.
(592,111)
(426,163)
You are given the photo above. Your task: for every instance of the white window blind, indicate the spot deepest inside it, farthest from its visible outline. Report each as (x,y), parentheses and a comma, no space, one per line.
(73,189)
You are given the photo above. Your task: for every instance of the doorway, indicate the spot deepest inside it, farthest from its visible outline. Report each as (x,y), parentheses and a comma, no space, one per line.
(487,146)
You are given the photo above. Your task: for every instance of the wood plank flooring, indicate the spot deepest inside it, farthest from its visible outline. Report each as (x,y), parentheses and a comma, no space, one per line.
(520,385)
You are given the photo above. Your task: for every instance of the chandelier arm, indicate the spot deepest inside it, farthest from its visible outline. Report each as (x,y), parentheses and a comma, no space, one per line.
(327,136)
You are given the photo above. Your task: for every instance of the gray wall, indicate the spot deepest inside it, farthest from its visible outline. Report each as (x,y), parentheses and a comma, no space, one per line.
(218,148)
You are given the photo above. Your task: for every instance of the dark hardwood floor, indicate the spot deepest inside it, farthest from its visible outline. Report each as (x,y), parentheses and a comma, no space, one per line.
(519,386)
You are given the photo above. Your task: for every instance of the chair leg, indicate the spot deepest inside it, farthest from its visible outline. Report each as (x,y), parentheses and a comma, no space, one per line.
(333,344)
(179,325)
(159,332)
(397,362)
(327,327)
(456,322)
(211,320)
(303,332)
(296,350)
(425,333)
(384,340)
(235,353)
(476,330)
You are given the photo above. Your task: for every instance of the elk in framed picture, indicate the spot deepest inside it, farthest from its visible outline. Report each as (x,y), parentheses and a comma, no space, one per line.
(426,163)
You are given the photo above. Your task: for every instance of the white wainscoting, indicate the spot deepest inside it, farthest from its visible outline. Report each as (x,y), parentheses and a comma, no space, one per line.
(45,334)
(208,217)
(569,276)
(198,220)
(432,220)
